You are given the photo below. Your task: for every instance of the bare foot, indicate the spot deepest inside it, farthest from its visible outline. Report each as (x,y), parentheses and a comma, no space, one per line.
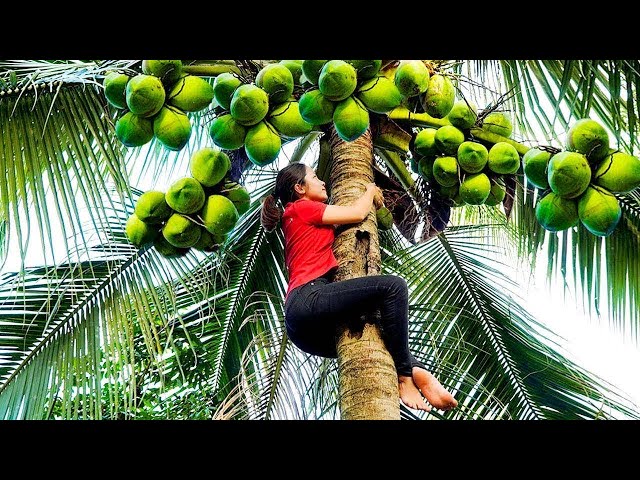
(410,395)
(433,390)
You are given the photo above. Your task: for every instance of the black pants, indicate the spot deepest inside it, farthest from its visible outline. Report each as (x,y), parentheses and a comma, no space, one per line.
(313,310)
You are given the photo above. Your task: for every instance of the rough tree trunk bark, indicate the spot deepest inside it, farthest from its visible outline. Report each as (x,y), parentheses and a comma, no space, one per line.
(368,379)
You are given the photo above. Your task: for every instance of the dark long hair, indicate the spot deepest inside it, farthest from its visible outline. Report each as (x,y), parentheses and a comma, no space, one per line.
(290,176)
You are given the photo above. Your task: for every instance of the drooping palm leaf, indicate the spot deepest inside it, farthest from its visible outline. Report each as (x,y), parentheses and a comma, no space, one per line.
(469,327)
(58,153)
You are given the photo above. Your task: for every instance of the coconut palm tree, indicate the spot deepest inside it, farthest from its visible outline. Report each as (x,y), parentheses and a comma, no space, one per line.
(93,327)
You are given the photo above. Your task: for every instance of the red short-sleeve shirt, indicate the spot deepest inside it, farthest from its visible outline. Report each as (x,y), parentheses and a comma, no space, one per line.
(308,249)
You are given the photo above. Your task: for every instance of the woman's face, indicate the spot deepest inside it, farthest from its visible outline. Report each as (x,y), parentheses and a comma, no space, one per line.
(313,188)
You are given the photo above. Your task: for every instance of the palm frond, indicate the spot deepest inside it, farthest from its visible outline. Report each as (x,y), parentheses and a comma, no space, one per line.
(61,323)
(469,328)
(58,155)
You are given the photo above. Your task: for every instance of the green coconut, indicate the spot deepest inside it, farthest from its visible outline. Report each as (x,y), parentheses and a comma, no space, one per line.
(337,80)
(379,94)
(451,192)
(133,130)
(208,242)
(168,71)
(445,170)
(262,143)
(424,142)
(115,89)
(238,195)
(448,138)
(139,233)
(411,78)
(191,94)
(366,69)
(145,95)
(172,128)
(568,174)
(440,96)
(497,193)
(535,163)
(425,167)
(249,104)
(185,195)
(224,87)
(167,250)
(152,207)
(599,211)
(350,118)
(619,172)
(227,133)
(286,119)
(209,166)
(475,188)
(498,123)
(472,156)
(556,213)
(384,218)
(463,114)
(219,214)
(503,158)
(277,80)
(180,231)
(312,68)
(315,108)
(588,137)
(295,67)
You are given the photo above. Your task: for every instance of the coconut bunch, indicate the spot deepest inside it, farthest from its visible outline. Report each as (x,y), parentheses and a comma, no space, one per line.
(425,90)
(579,183)
(156,103)
(339,90)
(346,92)
(259,116)
(466,171)
(196,211)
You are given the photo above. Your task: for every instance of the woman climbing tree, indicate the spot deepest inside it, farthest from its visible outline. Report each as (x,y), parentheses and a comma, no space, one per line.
(314,303)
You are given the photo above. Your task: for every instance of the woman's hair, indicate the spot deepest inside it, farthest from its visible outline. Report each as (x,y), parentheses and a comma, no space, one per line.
(290,176)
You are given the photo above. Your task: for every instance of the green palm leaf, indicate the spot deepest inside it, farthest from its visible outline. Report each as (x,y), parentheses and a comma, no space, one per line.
(472,332)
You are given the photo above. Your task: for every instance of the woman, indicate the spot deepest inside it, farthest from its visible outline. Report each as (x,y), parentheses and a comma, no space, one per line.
(313,303)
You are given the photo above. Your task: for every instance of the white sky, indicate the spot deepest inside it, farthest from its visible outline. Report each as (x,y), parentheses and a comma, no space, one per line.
(595,345)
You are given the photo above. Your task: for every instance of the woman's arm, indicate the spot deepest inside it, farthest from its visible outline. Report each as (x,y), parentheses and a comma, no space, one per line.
(355,213)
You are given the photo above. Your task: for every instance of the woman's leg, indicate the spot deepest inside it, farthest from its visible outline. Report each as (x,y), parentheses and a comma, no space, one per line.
(331,302)
(320,304)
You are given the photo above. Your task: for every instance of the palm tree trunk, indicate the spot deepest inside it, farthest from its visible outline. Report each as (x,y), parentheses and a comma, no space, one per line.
(368,379)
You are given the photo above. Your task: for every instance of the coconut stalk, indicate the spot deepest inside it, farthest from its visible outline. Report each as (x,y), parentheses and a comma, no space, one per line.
(396,164)
(368,381)
(211,68)
(388,135)
(403,114)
